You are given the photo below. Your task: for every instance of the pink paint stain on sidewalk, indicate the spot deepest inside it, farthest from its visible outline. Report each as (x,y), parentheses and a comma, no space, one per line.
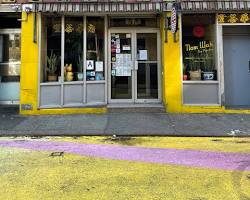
(192,158)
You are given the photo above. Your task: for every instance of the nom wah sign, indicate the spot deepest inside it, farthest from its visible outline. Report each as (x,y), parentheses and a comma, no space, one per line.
(202,45)
(231,18)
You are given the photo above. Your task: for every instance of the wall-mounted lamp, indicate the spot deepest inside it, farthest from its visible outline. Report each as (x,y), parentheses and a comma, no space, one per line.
(27,8)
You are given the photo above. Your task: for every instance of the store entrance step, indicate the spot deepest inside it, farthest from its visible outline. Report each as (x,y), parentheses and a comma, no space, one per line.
(135,108)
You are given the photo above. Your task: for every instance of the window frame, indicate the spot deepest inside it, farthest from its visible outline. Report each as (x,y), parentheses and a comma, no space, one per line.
(63,83)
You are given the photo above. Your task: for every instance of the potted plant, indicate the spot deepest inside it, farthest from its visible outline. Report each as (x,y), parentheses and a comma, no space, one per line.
(80,68)
(195,71)
(185,76)
(52,66)
(208,72)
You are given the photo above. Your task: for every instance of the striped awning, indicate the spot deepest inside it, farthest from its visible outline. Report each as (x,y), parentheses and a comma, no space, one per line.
(213,5)
(105,7)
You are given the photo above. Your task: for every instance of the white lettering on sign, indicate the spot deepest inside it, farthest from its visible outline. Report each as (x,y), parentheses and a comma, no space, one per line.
(202,45)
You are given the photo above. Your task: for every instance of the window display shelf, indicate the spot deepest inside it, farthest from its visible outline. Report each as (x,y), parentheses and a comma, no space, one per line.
(72,82)
(51,83)
(200,82)
(95,82)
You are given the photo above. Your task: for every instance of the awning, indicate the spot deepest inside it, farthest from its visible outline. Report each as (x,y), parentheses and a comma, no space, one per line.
(104,7)
(188,6)
(8,8)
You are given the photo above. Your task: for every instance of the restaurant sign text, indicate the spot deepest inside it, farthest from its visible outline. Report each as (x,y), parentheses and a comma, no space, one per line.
(232,18)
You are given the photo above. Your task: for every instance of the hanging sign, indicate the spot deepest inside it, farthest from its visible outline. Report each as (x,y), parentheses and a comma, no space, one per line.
(174,20)
(199,31)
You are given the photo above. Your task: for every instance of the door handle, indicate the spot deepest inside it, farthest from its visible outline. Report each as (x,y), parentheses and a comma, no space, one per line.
(249,66)
(136,65)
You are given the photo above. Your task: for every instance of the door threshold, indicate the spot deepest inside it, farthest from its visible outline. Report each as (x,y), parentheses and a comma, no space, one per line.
(135,105)
(136,108)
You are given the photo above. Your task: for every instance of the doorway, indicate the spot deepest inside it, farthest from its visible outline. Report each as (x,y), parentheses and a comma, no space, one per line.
(236,42)
(134,66)
(10,55)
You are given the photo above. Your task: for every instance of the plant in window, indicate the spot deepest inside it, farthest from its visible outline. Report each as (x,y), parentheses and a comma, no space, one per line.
(52,66)
(208,72)
(195,72)
(185,76)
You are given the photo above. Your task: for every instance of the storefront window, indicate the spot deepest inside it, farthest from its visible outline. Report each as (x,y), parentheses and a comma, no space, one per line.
(10,56)
(95,49)
(198,46)
(51,50)
(73,50)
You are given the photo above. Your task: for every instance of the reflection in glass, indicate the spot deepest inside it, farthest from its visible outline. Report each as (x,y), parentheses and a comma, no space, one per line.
(95,49)
(147,76)
(147,81)
(73,53)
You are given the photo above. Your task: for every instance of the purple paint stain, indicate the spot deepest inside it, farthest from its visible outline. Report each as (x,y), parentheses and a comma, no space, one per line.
(192,158)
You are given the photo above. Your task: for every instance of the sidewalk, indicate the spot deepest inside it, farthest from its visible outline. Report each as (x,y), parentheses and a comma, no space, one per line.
(12,124)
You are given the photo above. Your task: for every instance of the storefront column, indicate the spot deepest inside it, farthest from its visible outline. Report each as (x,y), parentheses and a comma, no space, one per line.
(29,65)
(172,97)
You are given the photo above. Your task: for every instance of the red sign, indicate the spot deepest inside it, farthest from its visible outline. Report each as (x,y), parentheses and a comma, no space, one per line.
(198,31)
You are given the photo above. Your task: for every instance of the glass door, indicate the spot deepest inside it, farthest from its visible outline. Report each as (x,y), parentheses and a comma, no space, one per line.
(134,66)
(121,59)
(10,55)
(146,66)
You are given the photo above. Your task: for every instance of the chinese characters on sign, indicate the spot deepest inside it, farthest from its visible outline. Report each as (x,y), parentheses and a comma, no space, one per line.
(234,18)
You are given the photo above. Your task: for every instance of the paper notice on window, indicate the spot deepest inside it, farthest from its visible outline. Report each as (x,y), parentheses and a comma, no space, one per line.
(124,60)
(126,48)
(143,55)
(113,72)
(127,72)
(121,71)
(90,65)
(99,66)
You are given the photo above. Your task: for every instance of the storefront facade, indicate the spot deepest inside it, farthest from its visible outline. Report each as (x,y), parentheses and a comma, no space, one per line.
(84,57)
(90,56)
(211,71)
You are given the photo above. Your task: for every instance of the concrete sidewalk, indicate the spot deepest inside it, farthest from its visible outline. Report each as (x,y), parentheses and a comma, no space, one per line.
(12,124)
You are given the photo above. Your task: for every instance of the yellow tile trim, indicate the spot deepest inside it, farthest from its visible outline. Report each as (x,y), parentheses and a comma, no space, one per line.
(63,111)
